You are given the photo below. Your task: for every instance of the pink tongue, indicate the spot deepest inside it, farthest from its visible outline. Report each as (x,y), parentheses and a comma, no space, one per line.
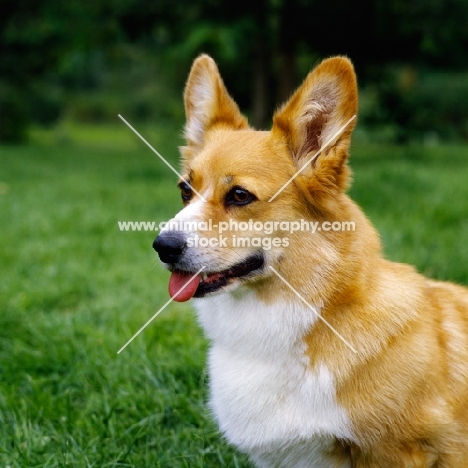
(182,286)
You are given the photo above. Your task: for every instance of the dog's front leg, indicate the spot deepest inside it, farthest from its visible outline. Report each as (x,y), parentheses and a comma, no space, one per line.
(391,456)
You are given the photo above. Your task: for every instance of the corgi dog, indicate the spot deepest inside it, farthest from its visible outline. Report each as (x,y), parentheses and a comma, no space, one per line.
(323,354)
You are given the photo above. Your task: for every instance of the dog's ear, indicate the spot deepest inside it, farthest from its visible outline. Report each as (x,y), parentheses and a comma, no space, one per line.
(207,102)
(317,123)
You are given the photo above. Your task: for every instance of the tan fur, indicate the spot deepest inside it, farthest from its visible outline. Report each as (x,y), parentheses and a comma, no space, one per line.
(406,388)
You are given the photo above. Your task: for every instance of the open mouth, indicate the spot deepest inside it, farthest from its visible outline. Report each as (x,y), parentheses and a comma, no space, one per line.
(184,285)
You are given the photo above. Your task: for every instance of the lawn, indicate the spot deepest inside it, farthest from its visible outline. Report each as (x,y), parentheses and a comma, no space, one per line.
(74,289)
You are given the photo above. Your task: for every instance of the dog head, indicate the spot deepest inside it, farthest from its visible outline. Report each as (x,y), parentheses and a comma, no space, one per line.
(236,179)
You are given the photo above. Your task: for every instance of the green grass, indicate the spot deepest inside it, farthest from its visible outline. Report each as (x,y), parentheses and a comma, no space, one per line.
(418,199)
(74,289)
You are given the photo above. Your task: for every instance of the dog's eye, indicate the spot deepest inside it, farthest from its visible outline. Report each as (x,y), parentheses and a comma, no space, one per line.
(185,191)
(239,196)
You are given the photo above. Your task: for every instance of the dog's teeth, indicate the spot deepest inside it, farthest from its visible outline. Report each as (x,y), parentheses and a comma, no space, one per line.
(204,276)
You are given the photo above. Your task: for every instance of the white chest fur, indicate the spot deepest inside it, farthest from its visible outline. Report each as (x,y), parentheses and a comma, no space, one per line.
(263,393)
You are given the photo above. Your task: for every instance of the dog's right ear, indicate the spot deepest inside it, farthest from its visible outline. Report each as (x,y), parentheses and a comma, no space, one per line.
(207,103)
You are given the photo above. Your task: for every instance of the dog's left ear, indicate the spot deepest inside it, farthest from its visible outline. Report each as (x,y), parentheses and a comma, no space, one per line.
(321,115)
(207,102)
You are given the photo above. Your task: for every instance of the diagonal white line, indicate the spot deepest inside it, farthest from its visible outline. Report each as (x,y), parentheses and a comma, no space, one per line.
(313,310)
(158,312)
(330,140)
(169,165)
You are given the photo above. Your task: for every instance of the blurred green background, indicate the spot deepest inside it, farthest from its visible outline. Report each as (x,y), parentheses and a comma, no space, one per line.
(88,60)
(74,288)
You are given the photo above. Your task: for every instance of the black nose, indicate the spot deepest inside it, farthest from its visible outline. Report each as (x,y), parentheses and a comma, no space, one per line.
(170,246)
